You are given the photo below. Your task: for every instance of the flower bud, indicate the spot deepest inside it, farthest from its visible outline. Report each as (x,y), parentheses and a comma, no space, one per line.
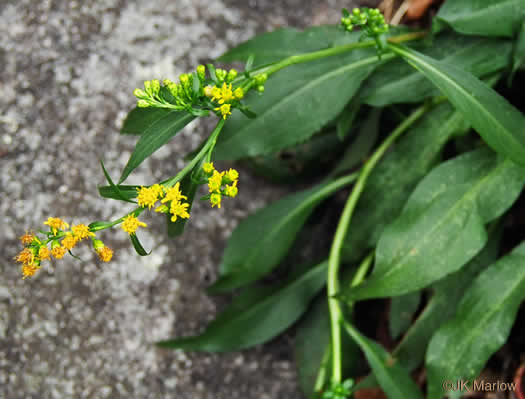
(260,88)
(155,86)
(238,93)
(232,74)
(201,72)
(261,78)
(147,87)
(143,104)
(139,93)
(221,74)
(97,244)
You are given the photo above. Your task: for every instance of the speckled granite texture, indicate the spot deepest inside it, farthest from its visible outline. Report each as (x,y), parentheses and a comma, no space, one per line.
(82,329)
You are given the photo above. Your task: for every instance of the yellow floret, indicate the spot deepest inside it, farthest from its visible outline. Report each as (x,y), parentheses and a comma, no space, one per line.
(58,252)
(232,175)
(131,224)
(82,231)
(27,238)
(226,93)
(179,209)
(208,167)
(56,224)
(29,270)
(69,241)
(105,254)
(174,194)
(148,196)
(215,181)
(238,93)
(44,253)
(225,110)
(231,191)
(26,256)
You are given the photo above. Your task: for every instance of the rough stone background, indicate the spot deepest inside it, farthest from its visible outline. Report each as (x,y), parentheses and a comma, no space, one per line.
(85,329)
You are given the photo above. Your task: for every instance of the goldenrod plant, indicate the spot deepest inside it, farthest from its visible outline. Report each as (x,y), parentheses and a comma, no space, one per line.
(422,130)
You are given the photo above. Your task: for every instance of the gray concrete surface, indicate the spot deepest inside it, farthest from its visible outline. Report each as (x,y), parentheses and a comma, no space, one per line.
(82,329)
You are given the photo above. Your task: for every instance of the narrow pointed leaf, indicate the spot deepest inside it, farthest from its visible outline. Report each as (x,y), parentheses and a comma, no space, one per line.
(262,240)
(402,310)
(140,119)
(500,124)
(128,192)
(114,188)
(298,102)
(392,377)
(482,323)
(442,225)
(138,246)
(154,137)
(482,17)
(252,318)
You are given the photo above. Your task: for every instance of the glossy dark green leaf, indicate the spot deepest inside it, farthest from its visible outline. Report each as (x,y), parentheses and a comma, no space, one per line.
(478,55)
(263,239)
(154,137)
(482,17)
(128,192)
(442,225)
(402,310)
(500,124)
(282,43)
(392,377)
(481,325)
(298,102)
(253,318)
(394,178)
(138,246)
(139,119)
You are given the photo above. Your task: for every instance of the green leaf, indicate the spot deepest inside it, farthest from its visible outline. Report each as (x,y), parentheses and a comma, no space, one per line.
(442,225)
(138,246)
(117,192)
(345,121)
(392,377)
(518,57)
(359,149)
(500,124)
(481,17)
(482,323)
(298,102)
(154,137)
(139,119)
(394,178)
(282,43)
(402,310)
(252,318)
(114,188)
(478,55)
(263,239)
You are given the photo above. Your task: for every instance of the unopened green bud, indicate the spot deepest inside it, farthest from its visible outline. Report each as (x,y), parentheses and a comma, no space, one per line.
(97,244)
(201,72)
(139,93)
(162,209)
(232,74)
(143,104)
(260,89)
(238,93)
(221,74)
(155,86)
(147,87)
(167,82)
(356,12)
(261,78)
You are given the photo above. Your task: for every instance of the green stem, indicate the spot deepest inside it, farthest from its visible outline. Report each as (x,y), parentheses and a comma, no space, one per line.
(342,228)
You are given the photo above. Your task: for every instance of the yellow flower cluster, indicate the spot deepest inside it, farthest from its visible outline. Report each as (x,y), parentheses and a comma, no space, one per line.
(35,250)
(220,183)
(224,96)
(148,197)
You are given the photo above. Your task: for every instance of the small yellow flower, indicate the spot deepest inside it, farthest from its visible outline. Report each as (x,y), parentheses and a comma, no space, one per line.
(27,238)
(208,167)
(231,191)
(179,209)
(69,241)
(174,194)
(105,254)
(215,181)
(131,224)
(215,93)
(43,253)
(208,91)
(215,200)
(81,231)
(58,252)
(226,93)
(238,93)
(147,196)
(56,224)
(29,270)
(26,256)
(225,110)
(232,175)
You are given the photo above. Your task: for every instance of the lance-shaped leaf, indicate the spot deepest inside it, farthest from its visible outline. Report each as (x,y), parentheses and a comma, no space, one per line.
(154,137)
(480,56)
(392,377)
(282,43)
(395,177)
(442,225)
(262,240)
(298,102)
(500,124)
(140,119)
(138,246)
(481,17)
(402,310)
(253,317)
(481,326)
(118,192)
